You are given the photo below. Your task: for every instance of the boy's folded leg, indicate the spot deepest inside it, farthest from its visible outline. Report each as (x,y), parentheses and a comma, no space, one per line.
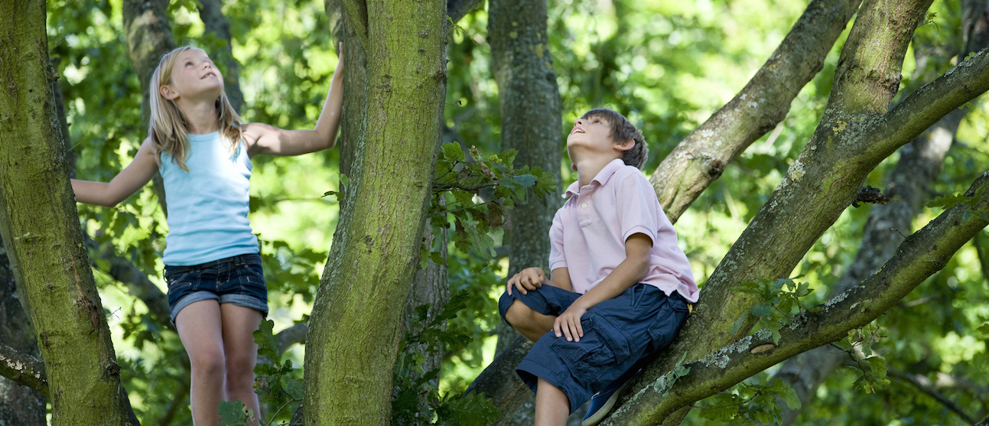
(546,300)
(620,337)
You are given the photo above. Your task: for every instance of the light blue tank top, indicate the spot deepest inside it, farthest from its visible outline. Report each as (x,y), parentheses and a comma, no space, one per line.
(207,207)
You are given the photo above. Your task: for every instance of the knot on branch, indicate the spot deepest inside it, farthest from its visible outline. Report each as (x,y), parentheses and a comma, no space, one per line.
(870,195)
(716,168)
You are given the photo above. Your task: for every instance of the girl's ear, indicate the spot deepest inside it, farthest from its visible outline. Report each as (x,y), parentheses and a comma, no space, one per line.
(167,93)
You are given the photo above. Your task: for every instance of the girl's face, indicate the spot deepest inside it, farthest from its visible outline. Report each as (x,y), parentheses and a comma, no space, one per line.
(194,76)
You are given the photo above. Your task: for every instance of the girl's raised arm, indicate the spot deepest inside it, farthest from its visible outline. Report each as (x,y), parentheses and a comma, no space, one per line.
(270,140)
(124,184)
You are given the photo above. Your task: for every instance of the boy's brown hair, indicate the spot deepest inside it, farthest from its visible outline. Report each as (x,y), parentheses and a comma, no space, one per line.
(621,131)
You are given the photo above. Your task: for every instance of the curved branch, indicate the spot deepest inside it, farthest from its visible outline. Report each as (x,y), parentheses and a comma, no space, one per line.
(700,158)
(457,9)
(921,255)
(137,282)
(961,84)
(23,369)
(295,334)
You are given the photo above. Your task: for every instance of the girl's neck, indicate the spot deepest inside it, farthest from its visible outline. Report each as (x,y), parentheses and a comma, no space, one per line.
(201,117)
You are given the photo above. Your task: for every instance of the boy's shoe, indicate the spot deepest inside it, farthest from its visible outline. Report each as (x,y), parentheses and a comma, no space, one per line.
(602,402)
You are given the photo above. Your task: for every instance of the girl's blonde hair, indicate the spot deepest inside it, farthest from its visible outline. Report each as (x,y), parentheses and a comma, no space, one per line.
(168,127)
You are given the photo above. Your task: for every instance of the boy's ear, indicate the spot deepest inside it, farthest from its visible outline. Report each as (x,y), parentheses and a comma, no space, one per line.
(625,146)
(167,93)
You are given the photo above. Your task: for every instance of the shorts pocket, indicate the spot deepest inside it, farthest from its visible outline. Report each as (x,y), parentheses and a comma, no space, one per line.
(667,324)
(593,354)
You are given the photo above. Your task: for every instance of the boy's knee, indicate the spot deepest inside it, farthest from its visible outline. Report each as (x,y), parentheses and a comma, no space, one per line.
(520,316)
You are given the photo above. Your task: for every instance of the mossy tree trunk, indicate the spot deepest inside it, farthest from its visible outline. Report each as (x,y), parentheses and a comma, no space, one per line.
(356,321)
(42,235)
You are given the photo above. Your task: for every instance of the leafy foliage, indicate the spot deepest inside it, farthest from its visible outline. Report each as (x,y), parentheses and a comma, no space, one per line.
(411,383)
(777,299)
(476,194)
(750,404)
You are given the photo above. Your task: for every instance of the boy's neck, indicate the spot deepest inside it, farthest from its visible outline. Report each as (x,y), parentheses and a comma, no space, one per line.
(588,168)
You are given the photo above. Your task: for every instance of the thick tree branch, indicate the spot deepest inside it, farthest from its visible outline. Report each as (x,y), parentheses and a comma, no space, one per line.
(137,282)
(961,84)
(457,9)
(868,73)
(819,186)
(23,369)
(700,158)
(921,255)
(920,161)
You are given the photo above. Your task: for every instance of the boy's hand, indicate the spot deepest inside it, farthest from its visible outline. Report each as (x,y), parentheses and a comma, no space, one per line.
(528,279)
(568,323)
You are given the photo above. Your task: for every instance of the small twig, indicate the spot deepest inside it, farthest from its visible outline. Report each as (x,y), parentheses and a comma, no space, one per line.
(949,404)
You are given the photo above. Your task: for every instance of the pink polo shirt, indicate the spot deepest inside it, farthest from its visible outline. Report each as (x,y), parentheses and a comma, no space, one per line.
(589,232)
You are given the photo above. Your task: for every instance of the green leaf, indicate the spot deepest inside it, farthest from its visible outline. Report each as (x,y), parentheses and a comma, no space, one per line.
(787,394)
(878,366)
(524,180)
(984,329)
(266,340)
(233,413)
(452,152)
(761,310)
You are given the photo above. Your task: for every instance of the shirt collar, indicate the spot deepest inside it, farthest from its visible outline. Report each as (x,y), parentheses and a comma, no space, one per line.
(602,177)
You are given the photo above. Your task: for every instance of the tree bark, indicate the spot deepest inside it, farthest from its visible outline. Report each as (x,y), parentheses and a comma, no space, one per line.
(44,245)
(19,404)
(920,256)
(211,13)
(824,179)
(355,326)
(686,172)
(529,99)
(920,161)
(700,158)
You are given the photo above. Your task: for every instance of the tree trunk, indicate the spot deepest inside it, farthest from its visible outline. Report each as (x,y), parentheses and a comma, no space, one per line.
(355,325)
(211,13)
(42,235)
(149,37)
(530,123)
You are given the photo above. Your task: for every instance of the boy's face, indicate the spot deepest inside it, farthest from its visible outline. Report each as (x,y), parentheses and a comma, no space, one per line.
(592,134)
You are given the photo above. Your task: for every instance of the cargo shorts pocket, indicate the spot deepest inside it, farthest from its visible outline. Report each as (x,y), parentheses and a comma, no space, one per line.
(667,324)
(598,350)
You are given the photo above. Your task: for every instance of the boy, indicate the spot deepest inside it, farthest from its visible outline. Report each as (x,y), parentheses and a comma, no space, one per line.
(619,287)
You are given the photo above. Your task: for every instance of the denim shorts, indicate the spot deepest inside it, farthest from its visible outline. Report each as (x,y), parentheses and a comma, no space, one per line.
(238,280)
(619,334)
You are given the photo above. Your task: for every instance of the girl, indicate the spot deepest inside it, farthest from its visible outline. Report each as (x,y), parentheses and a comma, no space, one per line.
(216,289)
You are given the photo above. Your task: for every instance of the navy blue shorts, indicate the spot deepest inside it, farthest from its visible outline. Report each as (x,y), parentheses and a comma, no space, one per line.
(238,280)
(618,333)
